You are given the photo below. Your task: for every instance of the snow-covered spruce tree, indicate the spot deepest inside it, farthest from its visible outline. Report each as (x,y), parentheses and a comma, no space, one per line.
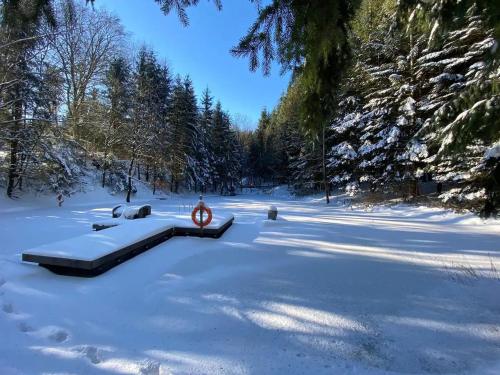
(388,94)
(233,159)
(225,150)
(183,118)
(343,157)
(373,134)
(139,132)
(373,46)
(306,167)
(203,149)
(280,148)
(156,155)
(198,153)
(218,141)
(286,138)
(264,148)
(461,75)
(295,150)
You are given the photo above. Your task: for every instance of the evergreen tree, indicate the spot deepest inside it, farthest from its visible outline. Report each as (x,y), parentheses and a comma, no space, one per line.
(182,122)
(226,151)
(202,158)
(140,133)
(119,97)
(20,27)
(157,153)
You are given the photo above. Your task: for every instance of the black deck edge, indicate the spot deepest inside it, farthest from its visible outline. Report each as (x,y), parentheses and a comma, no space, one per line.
(83,268)
(207,232)
(98,227)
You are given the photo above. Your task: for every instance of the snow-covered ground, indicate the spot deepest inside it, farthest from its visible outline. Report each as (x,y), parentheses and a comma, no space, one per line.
(323,290)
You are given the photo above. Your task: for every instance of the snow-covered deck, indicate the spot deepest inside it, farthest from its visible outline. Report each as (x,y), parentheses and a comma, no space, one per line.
(94,253)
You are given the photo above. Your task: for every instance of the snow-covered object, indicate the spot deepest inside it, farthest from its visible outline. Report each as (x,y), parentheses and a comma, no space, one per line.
(402,121)
(352,188)
(344,151)
(493,152)
(415,151)
(134,212)
(373,162)
(366,178)
(394,78)
(393,135)
(272,213)
(408,107)
(432,35)
(130,212)
(349,121)
(117,211)
(458,195)
(98,244)
(344,177)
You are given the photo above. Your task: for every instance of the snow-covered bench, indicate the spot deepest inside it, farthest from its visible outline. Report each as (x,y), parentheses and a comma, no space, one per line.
(97,252)
(131,212)
(123,212)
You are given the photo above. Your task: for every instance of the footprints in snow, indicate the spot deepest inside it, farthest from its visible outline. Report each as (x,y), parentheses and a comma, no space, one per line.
(8,308)
(149,367)
(95,355)
(92,353)
(54,334)
(24,327)
(59,335)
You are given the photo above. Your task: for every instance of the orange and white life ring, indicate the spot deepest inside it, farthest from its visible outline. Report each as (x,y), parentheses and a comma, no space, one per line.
(195,217)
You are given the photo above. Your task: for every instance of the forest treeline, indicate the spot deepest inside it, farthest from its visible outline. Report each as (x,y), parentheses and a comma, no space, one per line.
(76,101)
(414,105)
(384,95)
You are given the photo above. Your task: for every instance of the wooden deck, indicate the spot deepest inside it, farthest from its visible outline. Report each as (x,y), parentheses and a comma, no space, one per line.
(65,265)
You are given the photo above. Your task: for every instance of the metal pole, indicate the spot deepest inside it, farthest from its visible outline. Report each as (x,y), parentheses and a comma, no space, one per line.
(201,214)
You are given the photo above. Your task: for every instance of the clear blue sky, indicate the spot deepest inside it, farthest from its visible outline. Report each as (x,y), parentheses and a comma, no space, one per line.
(202,50)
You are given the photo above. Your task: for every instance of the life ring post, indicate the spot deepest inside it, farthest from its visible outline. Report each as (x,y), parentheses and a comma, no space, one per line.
(201,213)
(201,208)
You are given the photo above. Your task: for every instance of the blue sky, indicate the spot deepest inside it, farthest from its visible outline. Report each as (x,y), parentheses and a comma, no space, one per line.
(202,50)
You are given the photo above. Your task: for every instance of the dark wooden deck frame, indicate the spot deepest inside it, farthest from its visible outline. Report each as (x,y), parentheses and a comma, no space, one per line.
(92,268)
(98,227)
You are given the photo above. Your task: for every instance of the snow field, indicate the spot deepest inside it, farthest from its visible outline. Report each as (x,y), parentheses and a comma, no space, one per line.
(323,290)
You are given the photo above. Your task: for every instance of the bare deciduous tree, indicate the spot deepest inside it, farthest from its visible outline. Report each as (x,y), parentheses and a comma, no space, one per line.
(86,43)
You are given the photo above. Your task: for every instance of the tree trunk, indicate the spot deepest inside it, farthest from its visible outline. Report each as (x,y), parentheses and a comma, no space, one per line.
(14,146)
(104,167)
(154,180)
(147,173)
(138,171)
(325,182)
(129,189)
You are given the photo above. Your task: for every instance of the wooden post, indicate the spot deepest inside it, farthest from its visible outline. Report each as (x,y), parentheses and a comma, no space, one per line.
(201,214)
